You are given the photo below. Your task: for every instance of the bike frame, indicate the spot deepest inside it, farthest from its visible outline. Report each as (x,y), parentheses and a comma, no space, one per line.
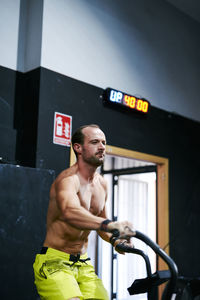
(172,276)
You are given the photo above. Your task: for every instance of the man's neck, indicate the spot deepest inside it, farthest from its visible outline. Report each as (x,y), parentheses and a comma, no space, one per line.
(86,171)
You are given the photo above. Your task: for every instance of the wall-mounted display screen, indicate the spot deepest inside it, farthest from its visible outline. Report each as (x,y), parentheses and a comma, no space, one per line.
(119,98)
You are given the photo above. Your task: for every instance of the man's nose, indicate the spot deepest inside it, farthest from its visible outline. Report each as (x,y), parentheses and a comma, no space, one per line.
(102,145)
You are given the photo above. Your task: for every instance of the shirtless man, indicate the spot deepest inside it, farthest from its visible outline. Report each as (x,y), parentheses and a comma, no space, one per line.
(77,206)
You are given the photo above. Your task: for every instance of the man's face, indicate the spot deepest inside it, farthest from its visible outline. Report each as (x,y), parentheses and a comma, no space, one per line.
(93,148)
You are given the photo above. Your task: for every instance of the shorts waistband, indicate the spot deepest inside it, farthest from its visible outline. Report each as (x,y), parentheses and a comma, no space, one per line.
(44,250)
(70,257)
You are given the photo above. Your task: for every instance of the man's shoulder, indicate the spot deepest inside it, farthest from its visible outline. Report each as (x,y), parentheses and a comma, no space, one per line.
(68,176)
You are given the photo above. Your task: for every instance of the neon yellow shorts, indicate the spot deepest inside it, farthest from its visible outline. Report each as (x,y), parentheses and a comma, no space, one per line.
(59,278)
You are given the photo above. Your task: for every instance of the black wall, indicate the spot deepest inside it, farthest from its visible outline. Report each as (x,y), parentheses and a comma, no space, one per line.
(35,96)
(7,101)
(23,207)
(26,116)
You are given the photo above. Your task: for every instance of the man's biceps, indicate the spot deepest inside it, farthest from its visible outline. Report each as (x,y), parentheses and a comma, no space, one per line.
(63,195)
(67,198)
(67,192)
(68,205)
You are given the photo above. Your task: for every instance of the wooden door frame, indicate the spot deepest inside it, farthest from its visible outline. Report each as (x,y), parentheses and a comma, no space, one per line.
(162,188)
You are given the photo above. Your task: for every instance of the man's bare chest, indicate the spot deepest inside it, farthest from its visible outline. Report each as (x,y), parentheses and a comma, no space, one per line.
(92,197)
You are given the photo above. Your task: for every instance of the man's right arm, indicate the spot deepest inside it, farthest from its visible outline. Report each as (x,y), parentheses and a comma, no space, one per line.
(77,216)
(70,207)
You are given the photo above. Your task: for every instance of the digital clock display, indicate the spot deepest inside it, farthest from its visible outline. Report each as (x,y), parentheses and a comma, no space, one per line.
(121,99)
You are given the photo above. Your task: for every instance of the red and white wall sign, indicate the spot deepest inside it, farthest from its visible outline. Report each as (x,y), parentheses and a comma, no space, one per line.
(62,129)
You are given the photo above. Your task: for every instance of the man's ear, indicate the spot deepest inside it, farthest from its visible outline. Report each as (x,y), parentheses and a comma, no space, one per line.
(77,147)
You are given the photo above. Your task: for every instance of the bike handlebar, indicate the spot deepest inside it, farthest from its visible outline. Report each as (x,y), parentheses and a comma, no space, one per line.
(156,248)
(128,249)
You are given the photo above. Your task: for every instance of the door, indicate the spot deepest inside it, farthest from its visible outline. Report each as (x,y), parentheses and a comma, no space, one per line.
(132,189)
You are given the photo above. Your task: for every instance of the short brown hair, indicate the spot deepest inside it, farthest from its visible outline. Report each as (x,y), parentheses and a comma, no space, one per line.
(78,136)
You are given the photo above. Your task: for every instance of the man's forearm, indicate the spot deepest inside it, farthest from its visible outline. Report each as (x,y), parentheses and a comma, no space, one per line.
(104,235)
(82,219)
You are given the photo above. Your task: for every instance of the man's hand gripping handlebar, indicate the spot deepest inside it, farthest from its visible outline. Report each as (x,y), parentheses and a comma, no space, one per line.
(120,230)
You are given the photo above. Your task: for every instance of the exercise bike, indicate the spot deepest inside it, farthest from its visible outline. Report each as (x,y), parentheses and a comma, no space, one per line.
(177,288)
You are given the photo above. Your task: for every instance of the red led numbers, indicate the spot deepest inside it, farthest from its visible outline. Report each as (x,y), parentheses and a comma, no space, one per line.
(121,99)
(138,104)
(142,105)
(129,101)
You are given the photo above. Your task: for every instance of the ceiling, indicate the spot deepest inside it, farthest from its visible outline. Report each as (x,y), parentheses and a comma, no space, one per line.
(189,7)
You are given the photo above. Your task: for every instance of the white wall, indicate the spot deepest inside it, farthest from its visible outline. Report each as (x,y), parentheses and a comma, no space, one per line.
(20,34)
(145,48)
(9,25)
